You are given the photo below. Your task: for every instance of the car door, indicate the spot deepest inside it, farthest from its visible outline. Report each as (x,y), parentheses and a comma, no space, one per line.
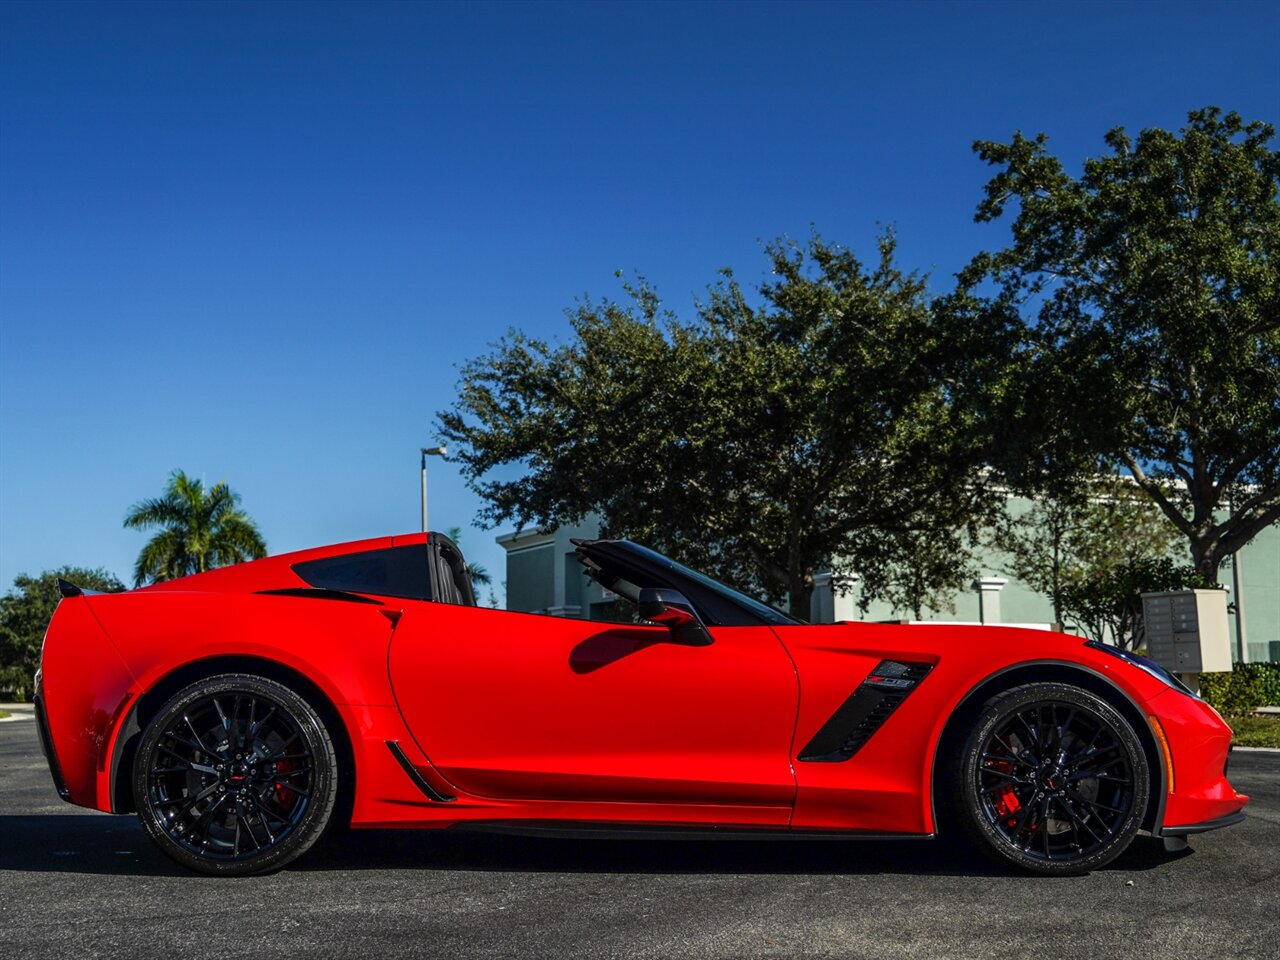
(525,706)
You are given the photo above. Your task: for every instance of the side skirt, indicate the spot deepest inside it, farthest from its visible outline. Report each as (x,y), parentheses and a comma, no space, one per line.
(588,830)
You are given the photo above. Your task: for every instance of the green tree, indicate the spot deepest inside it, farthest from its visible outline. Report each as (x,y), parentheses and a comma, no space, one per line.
(811,425)
(924,572)
(1155,338)
(476,571)
(199,530)
(1102,524)
(25,612)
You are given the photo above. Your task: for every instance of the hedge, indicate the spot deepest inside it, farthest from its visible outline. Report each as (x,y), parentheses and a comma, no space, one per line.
(1248,686)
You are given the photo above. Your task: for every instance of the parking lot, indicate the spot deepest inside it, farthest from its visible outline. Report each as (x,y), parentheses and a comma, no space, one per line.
(77,883)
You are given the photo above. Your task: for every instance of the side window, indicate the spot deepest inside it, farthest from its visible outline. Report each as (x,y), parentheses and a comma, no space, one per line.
(395,572)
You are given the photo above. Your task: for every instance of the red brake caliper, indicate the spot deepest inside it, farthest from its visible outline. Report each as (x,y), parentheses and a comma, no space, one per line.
(1006,801)
(284,796)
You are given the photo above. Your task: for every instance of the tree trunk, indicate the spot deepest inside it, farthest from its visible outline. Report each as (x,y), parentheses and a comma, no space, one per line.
(799,594)
(1056,576)
(1207,557)
(799,579)
(1211,543)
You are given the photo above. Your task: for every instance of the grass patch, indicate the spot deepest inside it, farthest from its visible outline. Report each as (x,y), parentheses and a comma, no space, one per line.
(1255,731)
(5,714)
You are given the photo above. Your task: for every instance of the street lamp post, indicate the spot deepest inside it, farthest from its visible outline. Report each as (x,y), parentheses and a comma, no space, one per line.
(428,452)
(1237,583)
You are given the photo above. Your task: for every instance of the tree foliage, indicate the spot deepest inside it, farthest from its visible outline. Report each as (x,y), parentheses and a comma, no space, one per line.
(1154,286)
(25,612)
(815,421)
(199,530)
(923,572)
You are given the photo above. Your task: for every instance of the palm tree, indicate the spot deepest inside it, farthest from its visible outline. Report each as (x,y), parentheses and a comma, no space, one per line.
(200,530)
(476,571)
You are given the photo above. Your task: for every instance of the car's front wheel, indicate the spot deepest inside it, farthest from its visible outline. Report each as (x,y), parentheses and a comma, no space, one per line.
(1052,778)
(235,775)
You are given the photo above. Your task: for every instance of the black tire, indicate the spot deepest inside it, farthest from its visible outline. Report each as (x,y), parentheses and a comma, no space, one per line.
(1052,779)
(235,775)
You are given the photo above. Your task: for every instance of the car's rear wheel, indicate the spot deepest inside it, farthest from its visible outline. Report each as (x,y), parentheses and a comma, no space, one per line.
(1052,778)
(235,775)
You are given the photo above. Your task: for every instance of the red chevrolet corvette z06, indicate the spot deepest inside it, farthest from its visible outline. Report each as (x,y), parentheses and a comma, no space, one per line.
(241,711)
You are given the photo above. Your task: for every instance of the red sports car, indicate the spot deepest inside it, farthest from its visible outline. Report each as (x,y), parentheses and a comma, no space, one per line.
(242,711)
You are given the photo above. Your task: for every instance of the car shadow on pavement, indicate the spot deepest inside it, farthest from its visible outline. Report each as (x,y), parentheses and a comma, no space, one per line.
(80,843)
(101,844)
(410,849)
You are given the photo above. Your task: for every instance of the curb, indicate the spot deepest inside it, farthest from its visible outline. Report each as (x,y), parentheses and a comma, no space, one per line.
(1256,749)
(16,717)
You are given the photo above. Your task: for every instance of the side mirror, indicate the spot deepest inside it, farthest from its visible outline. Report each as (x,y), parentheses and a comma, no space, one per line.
(672,609)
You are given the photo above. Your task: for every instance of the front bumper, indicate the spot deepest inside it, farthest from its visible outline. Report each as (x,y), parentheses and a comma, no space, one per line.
(1198,796)
(1203,827)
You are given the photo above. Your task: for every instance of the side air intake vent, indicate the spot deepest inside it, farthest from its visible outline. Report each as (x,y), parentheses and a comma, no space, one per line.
(865,712)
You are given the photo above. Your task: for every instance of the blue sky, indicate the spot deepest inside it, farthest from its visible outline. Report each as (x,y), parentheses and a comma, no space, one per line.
(255,240)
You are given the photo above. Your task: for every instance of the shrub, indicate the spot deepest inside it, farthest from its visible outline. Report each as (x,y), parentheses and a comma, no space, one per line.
(15,683)
(1269,676)
(1246,687)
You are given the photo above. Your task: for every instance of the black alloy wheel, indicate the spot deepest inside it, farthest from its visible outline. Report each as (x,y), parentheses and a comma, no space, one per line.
(235,775)
(1053,779)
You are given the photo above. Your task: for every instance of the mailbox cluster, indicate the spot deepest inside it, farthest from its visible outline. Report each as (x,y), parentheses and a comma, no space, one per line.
(1186,630)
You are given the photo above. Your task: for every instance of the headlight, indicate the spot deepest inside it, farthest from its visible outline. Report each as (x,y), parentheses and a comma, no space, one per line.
(1142,663)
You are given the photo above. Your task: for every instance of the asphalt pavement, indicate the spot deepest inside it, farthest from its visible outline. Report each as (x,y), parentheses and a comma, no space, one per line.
(74,883)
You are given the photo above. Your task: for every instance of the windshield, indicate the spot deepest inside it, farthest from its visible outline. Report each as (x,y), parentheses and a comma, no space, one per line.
(762,610)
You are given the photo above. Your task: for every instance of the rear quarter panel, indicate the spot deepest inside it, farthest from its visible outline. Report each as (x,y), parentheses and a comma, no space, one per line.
(341,647)
(104,652)
(84,688)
